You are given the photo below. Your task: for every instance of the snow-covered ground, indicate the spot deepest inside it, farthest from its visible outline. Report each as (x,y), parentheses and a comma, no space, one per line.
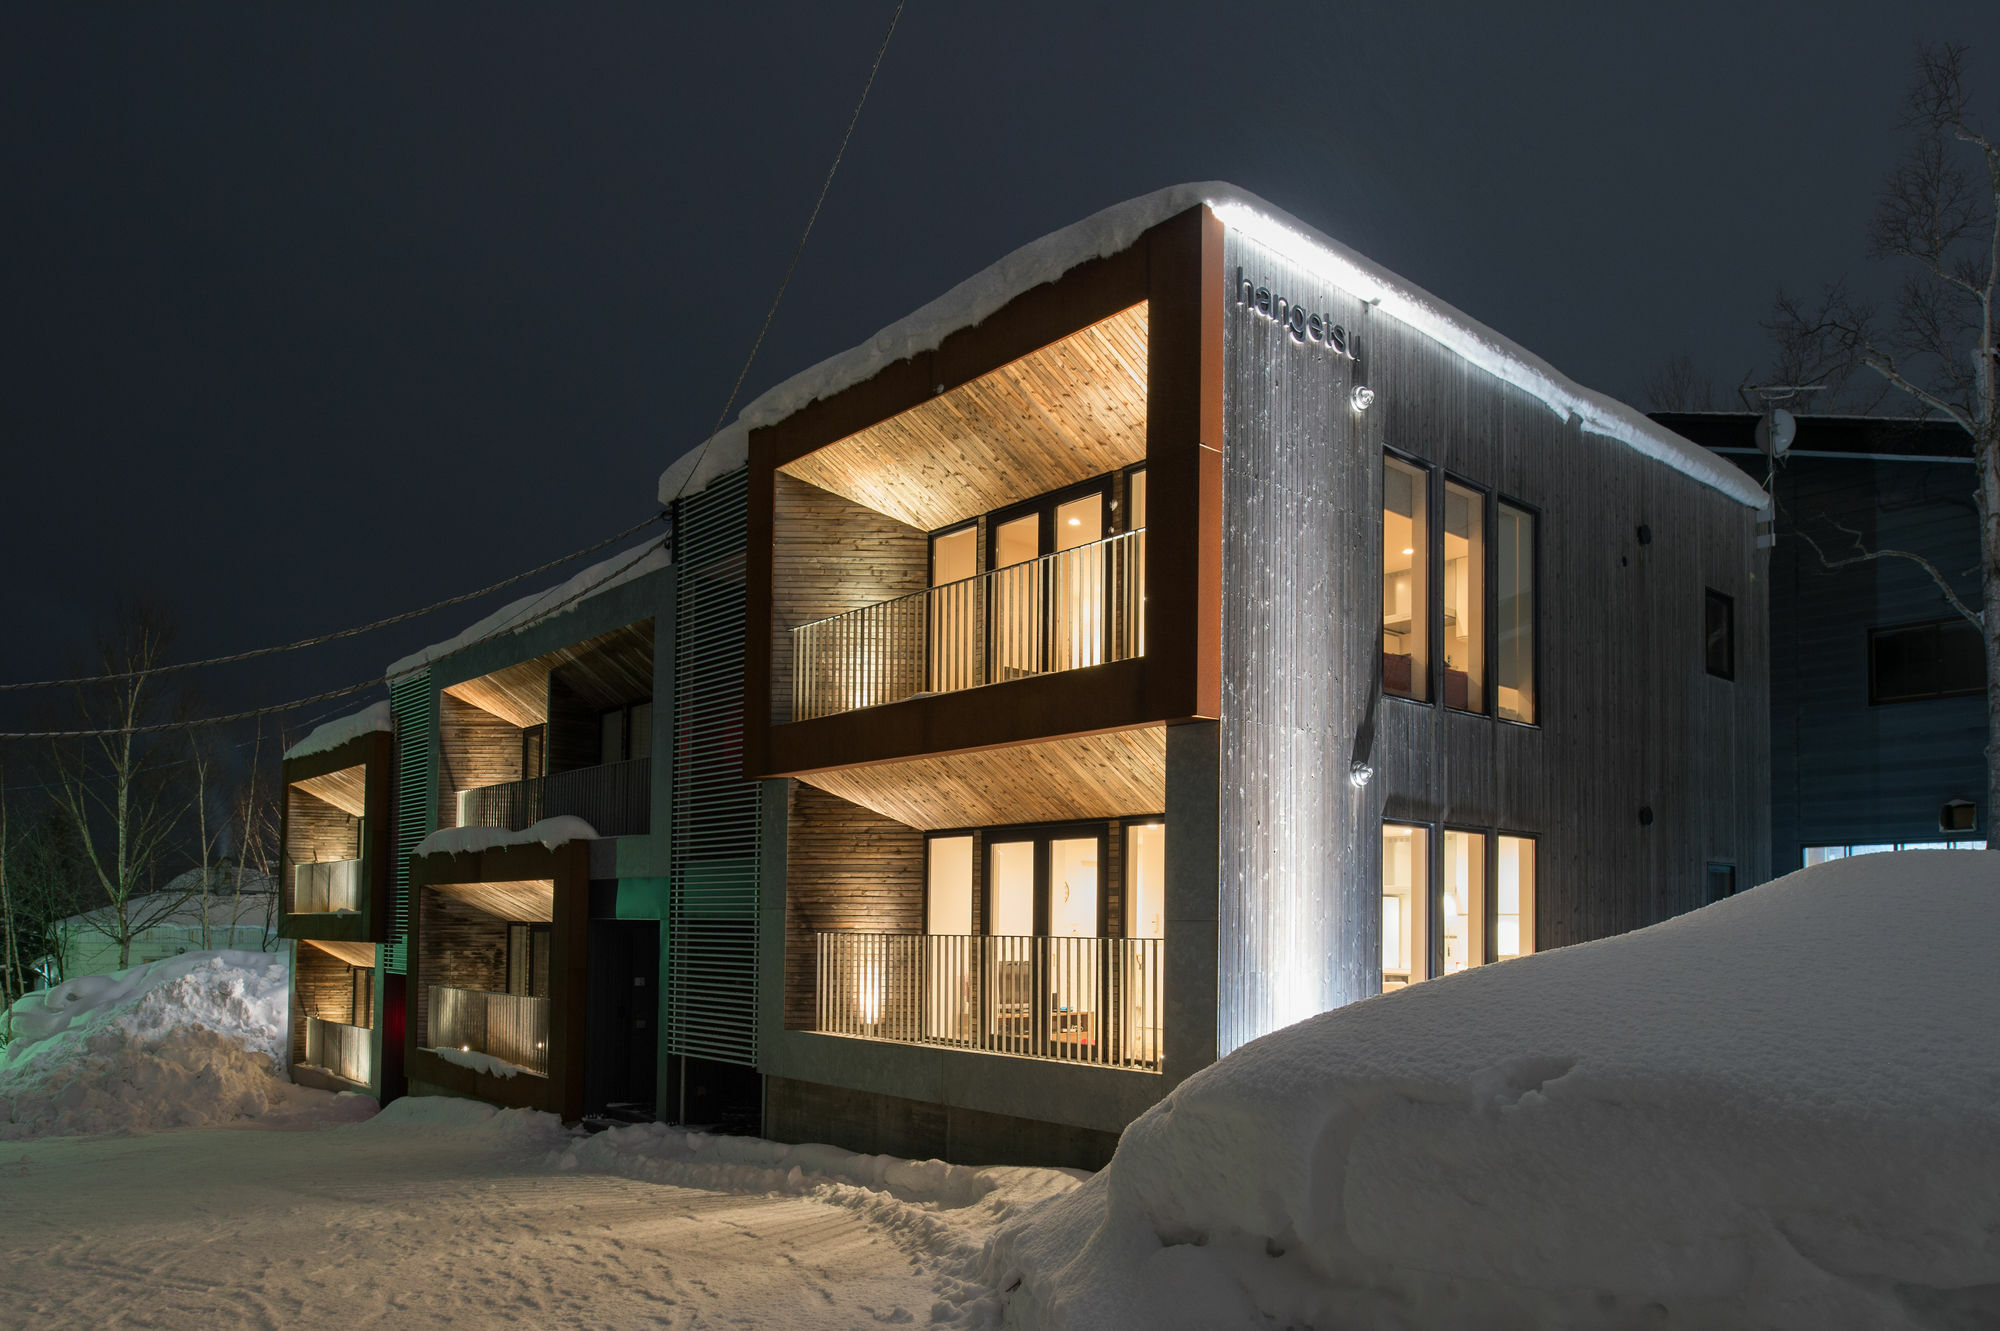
(1780,1111)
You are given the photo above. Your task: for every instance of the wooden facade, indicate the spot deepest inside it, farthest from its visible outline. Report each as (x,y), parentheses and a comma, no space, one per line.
(340,804)
(1260,686)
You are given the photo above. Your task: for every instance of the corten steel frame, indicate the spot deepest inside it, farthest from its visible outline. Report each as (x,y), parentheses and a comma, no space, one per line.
(1177,268)
(568,866)
(375,754)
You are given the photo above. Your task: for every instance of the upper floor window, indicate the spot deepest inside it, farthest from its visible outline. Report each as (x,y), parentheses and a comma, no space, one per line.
(1719,634)
(1405,580)
(624,732)
(1464,598)
(1942,659)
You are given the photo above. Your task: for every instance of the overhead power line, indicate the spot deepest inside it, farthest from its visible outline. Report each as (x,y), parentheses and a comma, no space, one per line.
(418,613)
(202,722)
(797,250)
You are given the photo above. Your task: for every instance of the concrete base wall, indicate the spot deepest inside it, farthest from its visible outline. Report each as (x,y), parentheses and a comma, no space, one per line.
(804,1111)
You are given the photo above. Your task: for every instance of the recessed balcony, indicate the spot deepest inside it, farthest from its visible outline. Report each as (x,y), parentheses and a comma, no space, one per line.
(614,798)
(326,887)
(1075,608)
(508,1028)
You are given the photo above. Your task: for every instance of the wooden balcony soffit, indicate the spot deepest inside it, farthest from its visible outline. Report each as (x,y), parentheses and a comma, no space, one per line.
(354,954)
(606,671)
(345,790)
(524,901)
(1070,411)
(1109,775)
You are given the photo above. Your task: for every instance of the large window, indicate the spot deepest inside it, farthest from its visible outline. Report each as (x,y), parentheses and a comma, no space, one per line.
(1941,659)
(1145,880)
(1464,598)
(1479,908)
(1514,663)
(1405,580)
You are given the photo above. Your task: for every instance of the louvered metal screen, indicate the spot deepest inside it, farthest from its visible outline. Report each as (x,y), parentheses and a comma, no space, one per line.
(712,943)
(411,702)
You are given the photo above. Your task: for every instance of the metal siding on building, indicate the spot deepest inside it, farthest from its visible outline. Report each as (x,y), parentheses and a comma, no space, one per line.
(713,918)
(413,705)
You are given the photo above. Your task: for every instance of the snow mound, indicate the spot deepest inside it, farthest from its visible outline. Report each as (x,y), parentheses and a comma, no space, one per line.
(1780,1111)
(196,1040)
(478,1062)
(472,1121)
(376,717)
(550,832)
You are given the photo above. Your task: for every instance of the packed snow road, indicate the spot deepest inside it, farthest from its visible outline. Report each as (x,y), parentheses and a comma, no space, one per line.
(447,1214)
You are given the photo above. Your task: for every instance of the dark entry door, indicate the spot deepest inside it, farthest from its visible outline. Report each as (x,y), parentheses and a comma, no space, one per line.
(621,1075)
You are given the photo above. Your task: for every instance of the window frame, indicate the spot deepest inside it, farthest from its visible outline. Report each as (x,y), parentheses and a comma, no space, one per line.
(1711,597)
(1046,504)
(1489,868)
(1429,888)
(1433,578)
(1041,834)
(1125,826)
(1501,499)
(930,550)
(1708,881)
(1489,596)
(1874,687)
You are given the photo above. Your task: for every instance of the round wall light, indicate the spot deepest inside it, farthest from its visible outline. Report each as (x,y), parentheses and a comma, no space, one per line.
(1363,397)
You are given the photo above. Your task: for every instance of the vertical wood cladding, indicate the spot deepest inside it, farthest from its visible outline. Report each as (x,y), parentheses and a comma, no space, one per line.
(831,555)
(475,748)
(323,987)
(460,946)
(846,867)
(574,736)
(1628,717)
(315,830)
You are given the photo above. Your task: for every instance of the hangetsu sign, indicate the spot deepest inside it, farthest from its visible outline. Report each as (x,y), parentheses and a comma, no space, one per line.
(1302,325)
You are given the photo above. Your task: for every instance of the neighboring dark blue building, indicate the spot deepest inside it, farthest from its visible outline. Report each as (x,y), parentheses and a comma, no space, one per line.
(1878,710)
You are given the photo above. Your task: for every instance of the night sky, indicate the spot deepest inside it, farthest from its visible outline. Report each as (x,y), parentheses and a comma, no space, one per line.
(314,314)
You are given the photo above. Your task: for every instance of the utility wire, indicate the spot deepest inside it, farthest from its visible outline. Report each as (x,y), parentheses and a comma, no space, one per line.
(197,723)
(342,633)
(797,250)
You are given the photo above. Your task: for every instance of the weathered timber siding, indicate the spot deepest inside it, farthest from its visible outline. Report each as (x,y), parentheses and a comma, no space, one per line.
(831,555)
(475,748)
(323,987)
(461,946)
(1628,716)
(846,868)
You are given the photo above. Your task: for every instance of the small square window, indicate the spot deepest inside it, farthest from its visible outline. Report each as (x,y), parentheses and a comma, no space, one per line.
(1721,882)
(1720,635)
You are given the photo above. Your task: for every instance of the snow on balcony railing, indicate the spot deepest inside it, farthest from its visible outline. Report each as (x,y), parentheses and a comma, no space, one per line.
(616,799)
(1075,608)
(1074,1000)
(510,1027)
(326,886)
(346,1051)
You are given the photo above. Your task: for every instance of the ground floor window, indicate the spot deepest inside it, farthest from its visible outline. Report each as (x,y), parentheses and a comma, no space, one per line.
(1478,908)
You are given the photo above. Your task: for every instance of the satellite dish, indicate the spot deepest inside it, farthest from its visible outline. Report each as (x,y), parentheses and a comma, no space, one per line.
(1776,431)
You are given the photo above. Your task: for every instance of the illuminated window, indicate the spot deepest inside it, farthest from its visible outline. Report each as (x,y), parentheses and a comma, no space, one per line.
(1514,665)
(1514,899)
(1464,598)
(1462,901)
(1405,892)
(1145,880)
(1405,580)
(1826,854)
(948,885)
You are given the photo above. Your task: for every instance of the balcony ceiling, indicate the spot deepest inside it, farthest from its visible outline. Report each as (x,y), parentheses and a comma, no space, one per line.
(1110,775)
(354,954)
(1073,410)
(346,790)
(606,671)
(526,901)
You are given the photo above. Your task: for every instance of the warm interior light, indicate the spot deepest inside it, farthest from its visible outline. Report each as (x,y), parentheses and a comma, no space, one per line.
(1409,549)
(1076,522)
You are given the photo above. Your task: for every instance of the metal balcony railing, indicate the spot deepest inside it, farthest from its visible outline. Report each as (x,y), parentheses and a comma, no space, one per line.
(1075,1000)
(1075,608)
(345,1051)
(509,1027)
(615,799)
(326,886)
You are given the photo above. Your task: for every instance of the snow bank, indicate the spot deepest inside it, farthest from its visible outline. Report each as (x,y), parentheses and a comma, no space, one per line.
(1782,1110)
(369,720)
(478,1062)
(1115,229)
(197,1040)
(471,1121)
(549,832)
(599,578)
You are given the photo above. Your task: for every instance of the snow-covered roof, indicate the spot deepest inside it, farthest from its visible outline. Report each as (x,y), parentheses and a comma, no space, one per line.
(369,720)
(1120,226)
(530,610)
(549,832)
(166,912)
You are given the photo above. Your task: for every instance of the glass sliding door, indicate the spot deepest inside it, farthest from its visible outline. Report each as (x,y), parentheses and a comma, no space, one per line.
(1016,632)
(1078,585)
(957,612)
(1011,983)
(1142,999)
(1075,977)
(948,965)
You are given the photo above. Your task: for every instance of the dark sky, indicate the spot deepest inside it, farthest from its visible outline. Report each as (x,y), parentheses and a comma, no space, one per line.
(310,314)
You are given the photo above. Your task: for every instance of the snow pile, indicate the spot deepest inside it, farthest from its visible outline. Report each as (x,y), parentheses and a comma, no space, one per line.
(471,1121)
(1115,229)
(369,720)
(478,1062)
(197,1040)
(549,832)
(1780,1111)
(942,1214)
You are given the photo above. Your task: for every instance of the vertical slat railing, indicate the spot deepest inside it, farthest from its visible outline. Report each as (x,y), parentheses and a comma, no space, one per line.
(342,1049)
(323,886)
(510,1027)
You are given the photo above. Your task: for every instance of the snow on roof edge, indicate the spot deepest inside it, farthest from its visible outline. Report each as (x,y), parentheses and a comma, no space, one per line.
(332,734)
(1116,228)
(526,612)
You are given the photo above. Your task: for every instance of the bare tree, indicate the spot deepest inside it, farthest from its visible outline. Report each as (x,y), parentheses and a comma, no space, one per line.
(1938,220)
(257,834)
(117,795)
(1679,386)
